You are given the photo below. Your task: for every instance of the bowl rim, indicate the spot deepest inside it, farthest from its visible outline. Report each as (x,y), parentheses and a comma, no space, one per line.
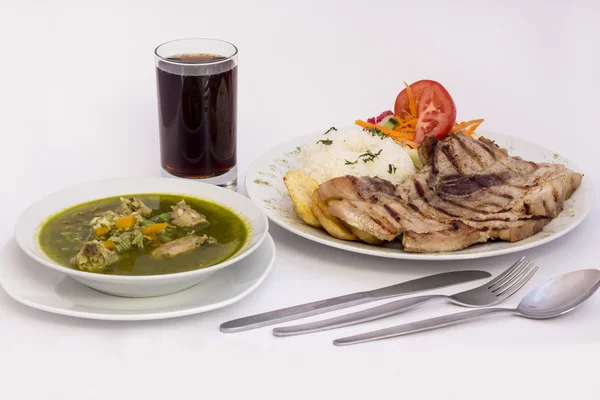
(241,254)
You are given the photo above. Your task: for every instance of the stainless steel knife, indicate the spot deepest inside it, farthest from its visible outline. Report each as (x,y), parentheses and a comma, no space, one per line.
(335,303)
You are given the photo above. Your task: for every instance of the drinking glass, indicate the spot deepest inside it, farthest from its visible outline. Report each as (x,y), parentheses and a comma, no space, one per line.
(196,83)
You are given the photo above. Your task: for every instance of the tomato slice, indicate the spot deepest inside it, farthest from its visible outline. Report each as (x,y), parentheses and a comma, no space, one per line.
(435,108)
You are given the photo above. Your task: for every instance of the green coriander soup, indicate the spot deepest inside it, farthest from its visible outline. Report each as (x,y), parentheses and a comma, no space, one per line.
(143,234)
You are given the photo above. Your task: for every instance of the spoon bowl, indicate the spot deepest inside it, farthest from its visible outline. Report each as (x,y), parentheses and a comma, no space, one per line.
(560,295)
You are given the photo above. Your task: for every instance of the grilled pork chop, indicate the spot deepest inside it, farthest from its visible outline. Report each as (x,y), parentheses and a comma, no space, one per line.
(468,191)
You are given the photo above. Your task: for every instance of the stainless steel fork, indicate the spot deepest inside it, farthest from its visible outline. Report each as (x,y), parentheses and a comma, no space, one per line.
(489,294)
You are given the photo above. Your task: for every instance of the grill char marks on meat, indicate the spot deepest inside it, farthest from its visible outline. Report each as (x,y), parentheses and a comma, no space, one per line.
(465,185)
(468,191)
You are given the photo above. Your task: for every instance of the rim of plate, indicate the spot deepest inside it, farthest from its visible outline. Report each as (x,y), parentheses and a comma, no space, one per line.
(241,254)
(363,248)
(157,315)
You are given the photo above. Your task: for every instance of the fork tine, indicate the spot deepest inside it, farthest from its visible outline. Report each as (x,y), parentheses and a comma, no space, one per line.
(514,277)
(506,274)
(515,288)
(507,271)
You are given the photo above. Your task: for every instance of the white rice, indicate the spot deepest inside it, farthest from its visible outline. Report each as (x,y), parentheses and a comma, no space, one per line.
(323,162)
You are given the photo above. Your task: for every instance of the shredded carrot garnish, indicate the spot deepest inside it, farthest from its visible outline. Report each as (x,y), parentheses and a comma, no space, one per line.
(412,121)
(474,125)
(459,126)
(404,137)
(390,132)
(407,143)
(403,125)
(407,135)
(411,101)
(109,244)
(466,127)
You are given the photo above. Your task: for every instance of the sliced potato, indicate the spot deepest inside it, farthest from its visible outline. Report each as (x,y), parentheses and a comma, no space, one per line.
(364,236)
(332,225)
(300,187)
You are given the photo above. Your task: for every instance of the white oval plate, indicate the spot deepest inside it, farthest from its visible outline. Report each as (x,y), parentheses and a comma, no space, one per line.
(32,284)
(264,184)
(30,221)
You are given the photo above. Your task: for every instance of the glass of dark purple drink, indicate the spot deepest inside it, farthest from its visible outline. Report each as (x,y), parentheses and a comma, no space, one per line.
(196,83)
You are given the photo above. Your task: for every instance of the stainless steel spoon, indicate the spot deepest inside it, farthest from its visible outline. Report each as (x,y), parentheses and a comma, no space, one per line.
(551,299)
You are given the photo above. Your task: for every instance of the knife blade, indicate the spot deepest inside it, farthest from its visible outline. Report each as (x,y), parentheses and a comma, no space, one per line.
(429,282)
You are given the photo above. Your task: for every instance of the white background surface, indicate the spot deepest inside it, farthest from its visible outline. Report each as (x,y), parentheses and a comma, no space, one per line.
(77,100)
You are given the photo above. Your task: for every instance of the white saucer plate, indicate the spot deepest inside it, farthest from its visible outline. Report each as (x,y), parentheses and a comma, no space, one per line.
(34,285)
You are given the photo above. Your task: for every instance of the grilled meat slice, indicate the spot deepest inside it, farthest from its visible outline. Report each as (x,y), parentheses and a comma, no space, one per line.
(468,191)
(457,236)
(367,217)
(479,175)
(353,188)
